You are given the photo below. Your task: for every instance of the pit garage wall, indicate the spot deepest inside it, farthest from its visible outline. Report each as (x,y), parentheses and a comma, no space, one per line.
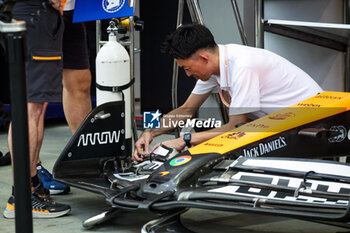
(219,17)
(326,66)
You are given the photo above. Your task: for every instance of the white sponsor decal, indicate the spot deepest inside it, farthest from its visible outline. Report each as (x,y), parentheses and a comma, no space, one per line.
(99,137)
(332,187)
(264,148)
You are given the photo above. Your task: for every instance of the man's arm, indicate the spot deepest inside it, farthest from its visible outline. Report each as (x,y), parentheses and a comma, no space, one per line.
(184,112)
(197,138)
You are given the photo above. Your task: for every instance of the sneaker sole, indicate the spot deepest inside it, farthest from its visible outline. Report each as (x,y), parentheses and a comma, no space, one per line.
(11,214)
(50,215)
(55,191)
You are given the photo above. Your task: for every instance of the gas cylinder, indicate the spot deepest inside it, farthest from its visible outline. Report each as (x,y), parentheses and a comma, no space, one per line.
(112,71)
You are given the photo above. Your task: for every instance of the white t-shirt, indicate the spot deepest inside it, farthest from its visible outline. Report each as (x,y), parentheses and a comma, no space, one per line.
(69,5)
(259,81)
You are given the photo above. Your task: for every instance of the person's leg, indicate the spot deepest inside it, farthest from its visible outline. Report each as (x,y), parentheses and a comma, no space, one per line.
(76,96)
(9,141)
(36,111)
(51,185)
(41,130)
(44,84)
(76,72)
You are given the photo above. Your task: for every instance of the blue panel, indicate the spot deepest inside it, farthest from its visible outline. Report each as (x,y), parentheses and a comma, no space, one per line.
(88,10)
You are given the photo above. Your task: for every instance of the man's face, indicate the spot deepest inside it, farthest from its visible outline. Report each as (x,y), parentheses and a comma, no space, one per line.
(195,66)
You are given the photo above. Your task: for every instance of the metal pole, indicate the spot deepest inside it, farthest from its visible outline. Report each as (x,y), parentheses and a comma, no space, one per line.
(191,10)
(180,12)
(259,25)
(175,77)
(98,35)
(239,22)
(347,54)
(346,11)
(131,53)
(197,11)
(14,37)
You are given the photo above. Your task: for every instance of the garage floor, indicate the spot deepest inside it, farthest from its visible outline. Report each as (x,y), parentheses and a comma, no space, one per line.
(85,204)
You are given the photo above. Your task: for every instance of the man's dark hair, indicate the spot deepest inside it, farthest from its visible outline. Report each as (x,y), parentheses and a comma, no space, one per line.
(187,40)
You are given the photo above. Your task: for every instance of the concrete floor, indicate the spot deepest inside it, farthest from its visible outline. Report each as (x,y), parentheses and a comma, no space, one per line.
(85,204)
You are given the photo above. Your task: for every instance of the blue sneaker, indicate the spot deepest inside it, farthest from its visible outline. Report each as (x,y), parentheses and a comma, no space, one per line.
(49,182)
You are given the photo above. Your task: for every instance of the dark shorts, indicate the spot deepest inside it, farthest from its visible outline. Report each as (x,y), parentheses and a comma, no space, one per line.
(75,51)
(44,50)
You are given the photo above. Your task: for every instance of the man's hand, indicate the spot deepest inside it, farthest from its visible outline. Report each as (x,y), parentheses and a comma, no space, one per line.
(142,145)
(177,144)
(57,4)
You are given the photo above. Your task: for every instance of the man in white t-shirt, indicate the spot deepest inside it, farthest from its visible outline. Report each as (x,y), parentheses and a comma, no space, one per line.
(249,80)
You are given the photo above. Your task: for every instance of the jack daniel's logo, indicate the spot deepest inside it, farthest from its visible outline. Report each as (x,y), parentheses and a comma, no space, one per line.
(264,148)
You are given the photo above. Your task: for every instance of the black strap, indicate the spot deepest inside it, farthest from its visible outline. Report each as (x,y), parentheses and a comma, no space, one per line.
(187,138)
(115,88)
